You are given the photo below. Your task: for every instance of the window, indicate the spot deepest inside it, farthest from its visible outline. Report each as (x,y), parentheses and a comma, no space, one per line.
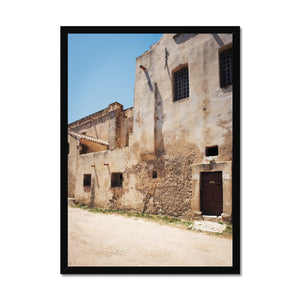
(116,179)
(68,148)
(154,174)
(181,84)
(212,151)
(83,149)
(87,178)
(226,68)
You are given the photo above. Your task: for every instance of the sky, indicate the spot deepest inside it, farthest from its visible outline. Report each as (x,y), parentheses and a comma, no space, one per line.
(101,70)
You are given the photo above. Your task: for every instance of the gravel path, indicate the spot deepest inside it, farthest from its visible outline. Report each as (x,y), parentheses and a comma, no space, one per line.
(113,240)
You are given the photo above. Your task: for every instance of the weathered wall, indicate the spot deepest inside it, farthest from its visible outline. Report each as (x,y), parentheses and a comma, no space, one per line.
(170,193)
(101,125)
(72,162)
(98,128)
(91,146)
(144,105)
(204,118)
(114,125)
(172,135)
(126,124)
(101,165)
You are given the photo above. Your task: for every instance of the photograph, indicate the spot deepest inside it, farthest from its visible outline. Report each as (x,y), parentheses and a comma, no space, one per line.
(150,141)
(135,137)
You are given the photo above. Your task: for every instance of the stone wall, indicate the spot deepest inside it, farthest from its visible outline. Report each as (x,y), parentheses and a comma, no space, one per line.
(72,165)
(169,135)
(100,125)
(170,193)
(204,118)
(126,123)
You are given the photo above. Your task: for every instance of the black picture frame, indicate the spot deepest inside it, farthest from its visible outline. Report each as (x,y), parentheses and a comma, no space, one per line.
(235,269)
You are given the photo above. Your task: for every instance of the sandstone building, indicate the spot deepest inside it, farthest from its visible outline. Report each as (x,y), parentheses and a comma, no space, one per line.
(172,152)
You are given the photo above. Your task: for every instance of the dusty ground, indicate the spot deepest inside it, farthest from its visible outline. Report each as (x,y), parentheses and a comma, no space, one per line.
(113,240)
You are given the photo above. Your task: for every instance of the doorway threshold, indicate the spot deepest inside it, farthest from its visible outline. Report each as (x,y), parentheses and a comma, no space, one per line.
(212,218)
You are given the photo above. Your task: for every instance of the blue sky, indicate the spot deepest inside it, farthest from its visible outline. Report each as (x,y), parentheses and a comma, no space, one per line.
(101,70)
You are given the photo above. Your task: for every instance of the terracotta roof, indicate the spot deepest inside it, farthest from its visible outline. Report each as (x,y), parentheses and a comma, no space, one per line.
(86,137)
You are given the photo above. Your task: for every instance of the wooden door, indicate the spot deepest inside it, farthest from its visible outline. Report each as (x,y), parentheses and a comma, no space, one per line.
(211,195)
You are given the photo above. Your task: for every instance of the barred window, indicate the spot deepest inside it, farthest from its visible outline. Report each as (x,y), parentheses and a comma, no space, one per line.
(226,68)
(181,84)
(116,180)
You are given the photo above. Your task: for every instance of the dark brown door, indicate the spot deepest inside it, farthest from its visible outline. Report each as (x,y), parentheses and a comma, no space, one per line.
(211,193)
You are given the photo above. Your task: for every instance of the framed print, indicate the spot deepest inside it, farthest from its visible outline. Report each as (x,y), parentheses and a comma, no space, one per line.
(150,150)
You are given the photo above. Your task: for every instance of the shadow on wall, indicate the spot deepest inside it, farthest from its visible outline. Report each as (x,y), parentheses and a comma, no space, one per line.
(148,80)
(218,40)
(183,37)
(166,63)
(158,118)
(92,199)
(158,113)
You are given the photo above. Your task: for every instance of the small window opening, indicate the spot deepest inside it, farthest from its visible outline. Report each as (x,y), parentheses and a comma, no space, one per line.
(87,179)
(83,149)
(212,151)
(116,180)
(181,84)
(68,148)
(154,174)
(226,68)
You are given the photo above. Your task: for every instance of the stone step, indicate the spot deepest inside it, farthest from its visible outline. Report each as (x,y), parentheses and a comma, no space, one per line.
(198,216)
(208,226)
(212,218)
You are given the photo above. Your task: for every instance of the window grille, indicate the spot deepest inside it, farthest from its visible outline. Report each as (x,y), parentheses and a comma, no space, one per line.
(226,68)
(181,84)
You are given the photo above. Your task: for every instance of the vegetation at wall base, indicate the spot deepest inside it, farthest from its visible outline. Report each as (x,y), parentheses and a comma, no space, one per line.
(161,219)
(158,218)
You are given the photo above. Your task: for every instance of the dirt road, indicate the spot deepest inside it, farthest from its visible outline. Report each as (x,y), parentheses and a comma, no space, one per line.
(113,240)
